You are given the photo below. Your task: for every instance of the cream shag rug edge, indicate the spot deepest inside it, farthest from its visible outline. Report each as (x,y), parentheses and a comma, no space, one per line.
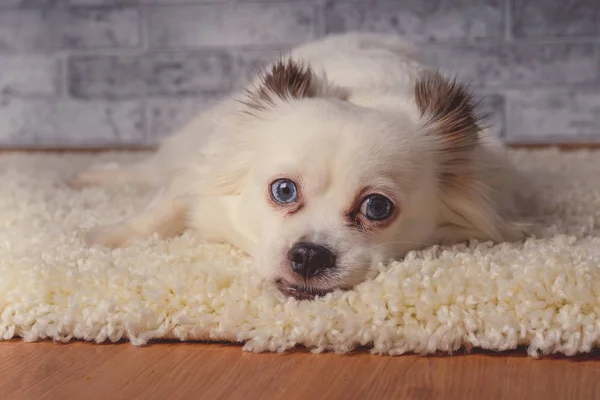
(543,293)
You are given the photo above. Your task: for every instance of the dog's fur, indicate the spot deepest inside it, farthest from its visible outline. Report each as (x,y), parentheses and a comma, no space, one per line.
(343,117)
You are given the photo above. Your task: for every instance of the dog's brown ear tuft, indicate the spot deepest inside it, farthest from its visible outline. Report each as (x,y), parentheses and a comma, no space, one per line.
(449,111)
(285,79)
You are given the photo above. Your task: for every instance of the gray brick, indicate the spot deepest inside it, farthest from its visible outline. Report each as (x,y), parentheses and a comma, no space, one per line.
(29,75)
(546,116)
(521,65)
(53,122)
(230,25)
(493,106)
(74,28)
(143,2)
(166,116)
(104,3)
(154,74)
(187,74)
(101,2)
(538,18)
(420,20)
(106,77)
(31,3)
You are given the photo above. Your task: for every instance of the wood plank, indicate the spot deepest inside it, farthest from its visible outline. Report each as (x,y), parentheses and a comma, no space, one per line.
(216,371)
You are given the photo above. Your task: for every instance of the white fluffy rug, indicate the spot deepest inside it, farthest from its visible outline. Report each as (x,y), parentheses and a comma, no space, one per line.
(544,293)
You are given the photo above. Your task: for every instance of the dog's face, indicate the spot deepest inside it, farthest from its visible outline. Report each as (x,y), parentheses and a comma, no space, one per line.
(334,188)
(339,189)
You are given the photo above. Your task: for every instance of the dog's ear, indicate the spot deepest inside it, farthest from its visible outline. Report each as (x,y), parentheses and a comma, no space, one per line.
(471,208)
(449,112)
(284,80)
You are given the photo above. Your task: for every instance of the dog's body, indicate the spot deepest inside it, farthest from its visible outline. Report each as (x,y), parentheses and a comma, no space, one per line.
(344,154)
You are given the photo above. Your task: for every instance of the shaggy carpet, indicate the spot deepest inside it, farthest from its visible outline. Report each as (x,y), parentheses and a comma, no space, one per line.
(543,293)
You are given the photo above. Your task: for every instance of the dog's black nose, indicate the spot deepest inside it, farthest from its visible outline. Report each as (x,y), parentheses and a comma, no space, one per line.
(309,259)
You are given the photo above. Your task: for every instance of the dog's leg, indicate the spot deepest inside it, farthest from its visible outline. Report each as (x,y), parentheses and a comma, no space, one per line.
(165,217)
(144,173)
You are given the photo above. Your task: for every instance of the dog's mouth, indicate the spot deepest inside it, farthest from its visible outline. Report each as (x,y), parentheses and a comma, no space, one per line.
(301,292)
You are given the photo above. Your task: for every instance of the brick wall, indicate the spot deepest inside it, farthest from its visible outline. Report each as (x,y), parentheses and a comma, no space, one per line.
(127,72)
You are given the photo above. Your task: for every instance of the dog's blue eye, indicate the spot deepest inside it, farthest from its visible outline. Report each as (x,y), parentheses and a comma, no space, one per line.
(284,191)
(377,207)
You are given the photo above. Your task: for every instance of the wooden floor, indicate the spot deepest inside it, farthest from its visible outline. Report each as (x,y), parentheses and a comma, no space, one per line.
(211,371)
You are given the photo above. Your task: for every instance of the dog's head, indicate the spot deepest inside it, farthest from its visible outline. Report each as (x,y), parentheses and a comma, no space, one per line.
(335,185)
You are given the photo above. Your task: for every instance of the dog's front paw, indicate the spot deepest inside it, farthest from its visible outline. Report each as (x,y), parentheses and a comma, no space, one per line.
(112,236)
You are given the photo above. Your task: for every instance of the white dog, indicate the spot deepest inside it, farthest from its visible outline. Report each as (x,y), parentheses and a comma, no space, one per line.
(344,154)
